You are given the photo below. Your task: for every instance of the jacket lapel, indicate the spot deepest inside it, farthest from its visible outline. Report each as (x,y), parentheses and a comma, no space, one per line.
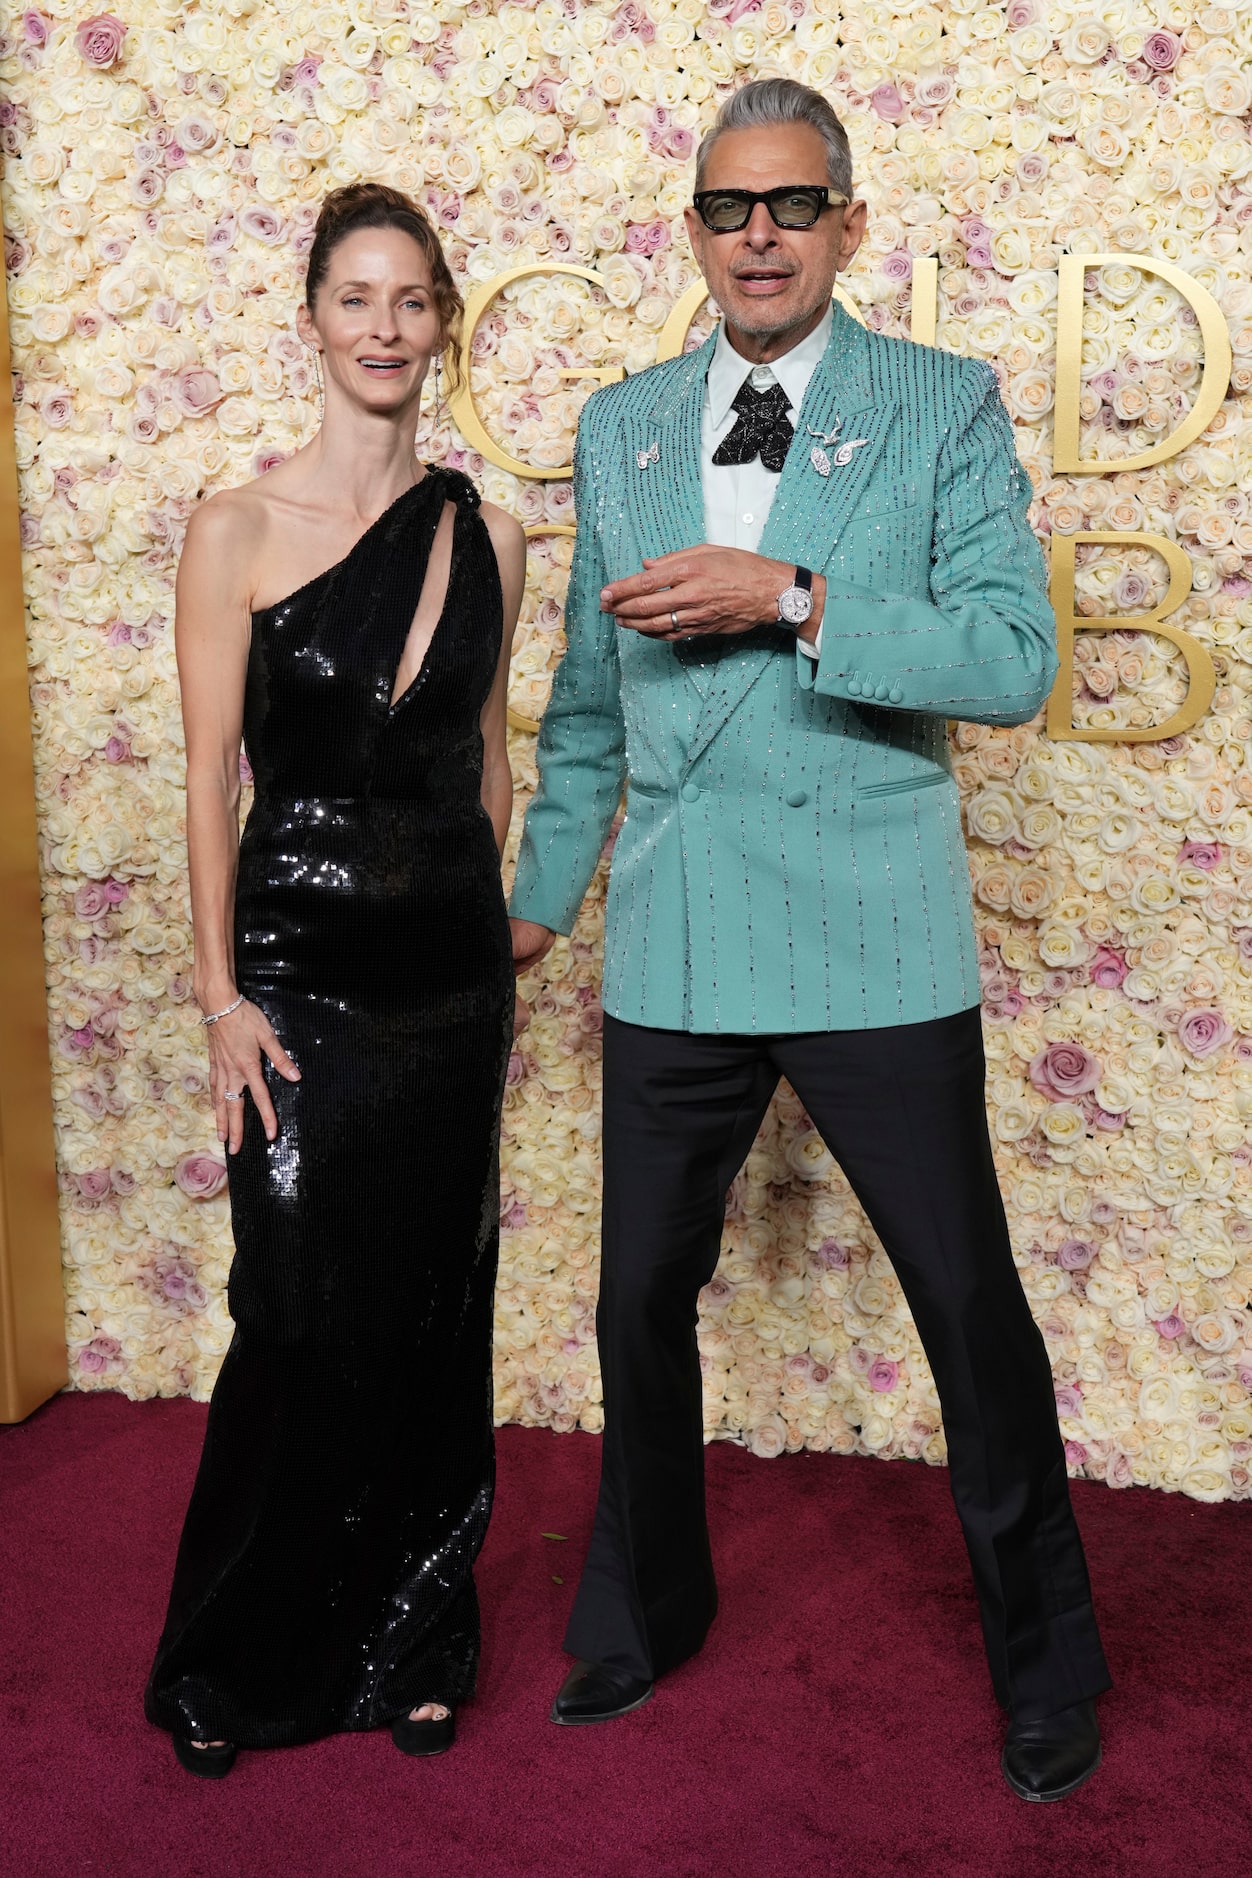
(809,510)
(816,493)
(664,498)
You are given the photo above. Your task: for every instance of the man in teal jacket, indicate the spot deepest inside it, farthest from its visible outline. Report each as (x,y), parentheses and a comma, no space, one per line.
(801,549)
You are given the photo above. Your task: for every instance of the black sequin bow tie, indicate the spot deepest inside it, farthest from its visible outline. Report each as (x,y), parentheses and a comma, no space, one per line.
(762,428)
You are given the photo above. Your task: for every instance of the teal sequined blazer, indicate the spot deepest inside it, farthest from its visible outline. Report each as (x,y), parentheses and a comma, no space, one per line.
(791,857)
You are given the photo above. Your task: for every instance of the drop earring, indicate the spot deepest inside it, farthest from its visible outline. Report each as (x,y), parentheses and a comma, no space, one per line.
(321,389)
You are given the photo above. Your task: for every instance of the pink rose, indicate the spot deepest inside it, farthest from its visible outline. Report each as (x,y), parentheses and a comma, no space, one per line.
(898,265)
(1075,1454)
(1108,968)
(99,39)
(94,1185)
(1205,854)
(888,103)
(1063,1070)
(262,224)
(1109,1120)
(1069,1399)
(200,1176)
(1171,1326)
(197,392)
(1204,1031)
(1075,1255)
(883,1374)
(1161,50)
(1020,13)
(35,27)
(831,1256)
(91,900)
(98,1354)
(1131,590)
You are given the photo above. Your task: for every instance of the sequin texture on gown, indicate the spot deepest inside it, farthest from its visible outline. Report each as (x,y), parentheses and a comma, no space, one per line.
(324,1579)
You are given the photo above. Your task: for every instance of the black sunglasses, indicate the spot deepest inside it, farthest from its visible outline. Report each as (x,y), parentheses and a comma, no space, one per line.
(726,211)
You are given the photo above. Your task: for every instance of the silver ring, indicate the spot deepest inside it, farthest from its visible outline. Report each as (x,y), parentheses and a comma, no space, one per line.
(673,619)
(232,1095)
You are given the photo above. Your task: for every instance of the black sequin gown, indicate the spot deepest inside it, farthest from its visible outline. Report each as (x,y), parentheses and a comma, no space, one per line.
(324,1579)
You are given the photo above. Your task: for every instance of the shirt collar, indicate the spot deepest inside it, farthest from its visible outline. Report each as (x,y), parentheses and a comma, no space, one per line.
(793,370)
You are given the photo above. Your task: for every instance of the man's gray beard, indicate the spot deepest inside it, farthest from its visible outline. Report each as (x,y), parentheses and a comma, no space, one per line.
(769,331)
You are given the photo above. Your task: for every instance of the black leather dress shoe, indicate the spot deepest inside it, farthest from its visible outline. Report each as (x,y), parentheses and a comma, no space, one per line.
(593,1693)
(1045,1760)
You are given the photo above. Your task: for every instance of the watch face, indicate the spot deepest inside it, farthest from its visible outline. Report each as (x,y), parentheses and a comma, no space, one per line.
(794,605)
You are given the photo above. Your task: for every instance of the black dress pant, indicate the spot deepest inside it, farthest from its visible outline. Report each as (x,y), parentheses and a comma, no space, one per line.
(902,1110)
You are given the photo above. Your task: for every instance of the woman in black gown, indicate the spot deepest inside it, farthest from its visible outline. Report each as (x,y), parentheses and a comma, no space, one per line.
(350,614)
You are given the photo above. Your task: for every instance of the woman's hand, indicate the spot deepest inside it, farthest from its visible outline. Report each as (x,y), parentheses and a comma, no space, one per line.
(236,1044)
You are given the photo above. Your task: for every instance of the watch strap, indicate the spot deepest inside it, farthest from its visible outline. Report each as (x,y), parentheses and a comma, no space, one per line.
(804,578)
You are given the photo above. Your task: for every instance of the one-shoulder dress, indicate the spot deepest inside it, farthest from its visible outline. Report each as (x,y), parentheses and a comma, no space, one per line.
(324,1579)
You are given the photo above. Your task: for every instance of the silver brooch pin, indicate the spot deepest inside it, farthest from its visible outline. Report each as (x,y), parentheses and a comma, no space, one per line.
(822,463)
(651,455)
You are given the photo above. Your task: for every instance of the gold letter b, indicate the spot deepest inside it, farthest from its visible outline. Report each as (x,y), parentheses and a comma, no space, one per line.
(1201,678)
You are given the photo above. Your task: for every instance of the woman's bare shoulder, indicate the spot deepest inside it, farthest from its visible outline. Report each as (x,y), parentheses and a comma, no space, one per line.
(232,522)
(508,537)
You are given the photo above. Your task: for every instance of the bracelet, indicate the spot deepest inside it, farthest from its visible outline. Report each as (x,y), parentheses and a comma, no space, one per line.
(215,1016)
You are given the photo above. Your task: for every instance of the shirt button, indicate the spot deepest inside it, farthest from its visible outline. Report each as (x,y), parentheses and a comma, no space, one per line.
(796,798)
(691,792)
(747,518)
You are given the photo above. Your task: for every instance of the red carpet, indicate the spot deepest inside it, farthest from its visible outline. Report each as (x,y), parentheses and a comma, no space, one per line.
(839,1720)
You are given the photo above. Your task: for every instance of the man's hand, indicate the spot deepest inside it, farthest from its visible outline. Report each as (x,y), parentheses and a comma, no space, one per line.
(708,590)
(531,943)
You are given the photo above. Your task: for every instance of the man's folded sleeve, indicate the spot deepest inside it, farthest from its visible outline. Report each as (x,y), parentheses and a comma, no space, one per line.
(984,647)
(581,752)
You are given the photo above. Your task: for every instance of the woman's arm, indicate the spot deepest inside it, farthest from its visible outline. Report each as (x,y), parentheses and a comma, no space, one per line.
(211,635)
(509,541)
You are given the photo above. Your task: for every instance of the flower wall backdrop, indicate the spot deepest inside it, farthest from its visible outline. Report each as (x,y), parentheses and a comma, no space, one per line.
(163,172)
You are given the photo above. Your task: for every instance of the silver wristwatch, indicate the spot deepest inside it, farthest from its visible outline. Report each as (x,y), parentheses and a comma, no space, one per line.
(795,603)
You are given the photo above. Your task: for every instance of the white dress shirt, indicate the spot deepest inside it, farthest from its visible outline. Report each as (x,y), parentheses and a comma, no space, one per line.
(737,496)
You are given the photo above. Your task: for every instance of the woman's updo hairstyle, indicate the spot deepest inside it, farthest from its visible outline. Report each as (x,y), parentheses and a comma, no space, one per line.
(377,205)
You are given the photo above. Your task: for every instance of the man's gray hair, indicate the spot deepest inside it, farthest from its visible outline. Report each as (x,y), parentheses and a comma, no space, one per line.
(768,101)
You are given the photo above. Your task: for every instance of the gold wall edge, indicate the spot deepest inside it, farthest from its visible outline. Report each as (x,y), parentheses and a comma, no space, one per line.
(32,1299)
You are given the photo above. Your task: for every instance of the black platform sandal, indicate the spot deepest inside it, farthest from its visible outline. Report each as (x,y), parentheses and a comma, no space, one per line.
(210,1762)
(425,1737)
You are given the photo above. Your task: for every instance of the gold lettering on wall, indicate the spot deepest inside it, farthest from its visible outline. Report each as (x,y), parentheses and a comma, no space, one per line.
(461,402)
(1214,379)
(924,306)
(1201,678)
